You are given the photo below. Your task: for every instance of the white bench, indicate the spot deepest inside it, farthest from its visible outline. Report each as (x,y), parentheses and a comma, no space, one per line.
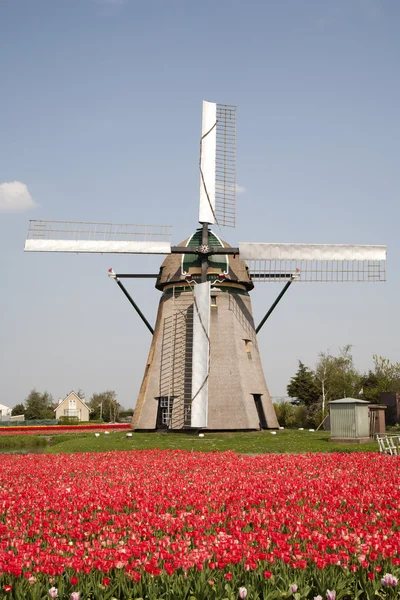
(388,444)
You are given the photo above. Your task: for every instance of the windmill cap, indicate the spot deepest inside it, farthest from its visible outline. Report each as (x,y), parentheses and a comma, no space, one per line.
(176,267)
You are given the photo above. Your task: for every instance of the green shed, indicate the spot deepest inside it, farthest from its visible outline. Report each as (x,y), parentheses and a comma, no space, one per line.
(349,419)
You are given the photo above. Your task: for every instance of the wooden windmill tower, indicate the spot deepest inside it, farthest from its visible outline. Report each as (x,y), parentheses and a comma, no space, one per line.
(204,368)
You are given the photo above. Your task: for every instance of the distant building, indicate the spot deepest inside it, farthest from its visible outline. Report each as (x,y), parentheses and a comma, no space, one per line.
(5,412)
(392,401)
(72,406)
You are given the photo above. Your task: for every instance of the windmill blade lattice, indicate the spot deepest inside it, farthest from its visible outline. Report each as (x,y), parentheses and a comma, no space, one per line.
(175,386)
(218,165)
(81,237)
(315,262)
(225,175)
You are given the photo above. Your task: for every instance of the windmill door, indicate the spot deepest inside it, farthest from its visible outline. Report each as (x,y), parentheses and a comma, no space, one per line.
(260,411)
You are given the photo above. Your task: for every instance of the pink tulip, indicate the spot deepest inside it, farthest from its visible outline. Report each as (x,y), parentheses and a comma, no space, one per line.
(318,597)
(294,587)
(76,596)
(389,580)
(53,592)
(242,592)
(330,594)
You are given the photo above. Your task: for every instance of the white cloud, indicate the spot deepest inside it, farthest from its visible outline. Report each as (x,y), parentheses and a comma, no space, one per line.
(240,189)
(15,197)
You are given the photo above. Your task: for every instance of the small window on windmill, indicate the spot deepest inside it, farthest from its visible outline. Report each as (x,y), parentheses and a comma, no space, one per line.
(214,301)
(248,347)
(166,405)
(188,415)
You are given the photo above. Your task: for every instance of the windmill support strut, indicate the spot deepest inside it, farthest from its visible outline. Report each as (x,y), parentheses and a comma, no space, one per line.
(135,306)
(137,275)
(278,299)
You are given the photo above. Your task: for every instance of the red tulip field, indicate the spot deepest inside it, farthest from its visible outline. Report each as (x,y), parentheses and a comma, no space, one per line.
(184,525)
(54,429)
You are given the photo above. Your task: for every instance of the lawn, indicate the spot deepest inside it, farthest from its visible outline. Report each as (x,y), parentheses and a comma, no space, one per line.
(284,441)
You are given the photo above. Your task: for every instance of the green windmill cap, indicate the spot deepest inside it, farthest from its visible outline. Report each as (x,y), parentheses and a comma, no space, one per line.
(176,267)
(220,261)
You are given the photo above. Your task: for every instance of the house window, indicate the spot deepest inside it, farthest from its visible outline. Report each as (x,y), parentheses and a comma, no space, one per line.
(214,301)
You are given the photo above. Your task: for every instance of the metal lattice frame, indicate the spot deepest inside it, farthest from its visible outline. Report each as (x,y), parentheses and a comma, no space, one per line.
(176,360)
(76,230)
(344,271)
(225,177)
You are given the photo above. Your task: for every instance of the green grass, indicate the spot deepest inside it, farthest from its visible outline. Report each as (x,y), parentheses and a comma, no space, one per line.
(286,441)
(26,441)
(21,441)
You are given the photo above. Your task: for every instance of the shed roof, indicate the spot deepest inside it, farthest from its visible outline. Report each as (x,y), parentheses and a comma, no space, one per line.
(349,401)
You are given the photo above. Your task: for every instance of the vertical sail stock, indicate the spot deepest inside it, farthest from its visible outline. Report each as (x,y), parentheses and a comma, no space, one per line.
(208,146)
(201,354)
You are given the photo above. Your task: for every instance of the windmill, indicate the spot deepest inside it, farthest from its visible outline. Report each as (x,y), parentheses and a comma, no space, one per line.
(204,368)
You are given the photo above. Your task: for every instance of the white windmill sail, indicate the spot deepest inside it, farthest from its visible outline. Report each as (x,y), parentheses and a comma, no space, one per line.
(201,354)
(70,236)
(218,165)
(208,146)
(315,262)
(271,251)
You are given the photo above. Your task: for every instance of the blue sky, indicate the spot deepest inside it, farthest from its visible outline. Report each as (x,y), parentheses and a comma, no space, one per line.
(100,117)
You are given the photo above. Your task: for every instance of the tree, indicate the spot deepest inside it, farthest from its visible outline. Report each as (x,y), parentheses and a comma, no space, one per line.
(337,376)
(384,378)
(18,409)
(81,394)
(370,387)
(104,406)
(303,387)
(39,406)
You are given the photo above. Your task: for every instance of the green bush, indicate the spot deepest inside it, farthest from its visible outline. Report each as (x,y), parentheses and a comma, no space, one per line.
(301,416)
(291,417)
(286,414)
(124,414)
(68,420)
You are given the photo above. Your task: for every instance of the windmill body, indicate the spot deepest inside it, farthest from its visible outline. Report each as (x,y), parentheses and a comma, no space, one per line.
(204,368)
(238,397)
